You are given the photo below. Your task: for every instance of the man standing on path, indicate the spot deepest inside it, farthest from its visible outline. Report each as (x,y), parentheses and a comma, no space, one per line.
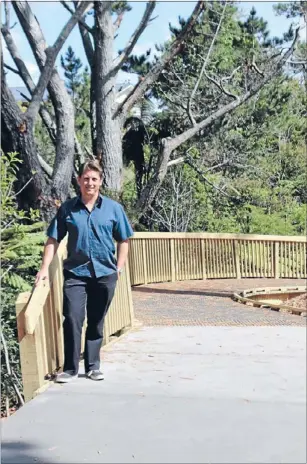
(91,271)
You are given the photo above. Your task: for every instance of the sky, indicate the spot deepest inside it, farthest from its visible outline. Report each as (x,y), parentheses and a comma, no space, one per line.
(52,17)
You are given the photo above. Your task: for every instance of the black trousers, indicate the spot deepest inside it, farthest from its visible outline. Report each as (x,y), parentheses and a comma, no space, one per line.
(93,295)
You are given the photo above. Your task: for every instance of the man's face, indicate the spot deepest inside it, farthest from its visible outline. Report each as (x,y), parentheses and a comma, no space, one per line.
(89,183)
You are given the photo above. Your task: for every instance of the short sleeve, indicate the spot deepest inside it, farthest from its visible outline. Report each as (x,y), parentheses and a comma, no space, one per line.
(122,229)
(57,228)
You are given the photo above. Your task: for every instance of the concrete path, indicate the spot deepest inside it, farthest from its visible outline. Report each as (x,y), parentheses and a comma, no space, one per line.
(175,395)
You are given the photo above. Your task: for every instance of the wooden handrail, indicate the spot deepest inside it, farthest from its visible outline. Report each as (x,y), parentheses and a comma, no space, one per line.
(209,235)
(40,319)
(153,257)
(35,306)
(173,256)
(40,293)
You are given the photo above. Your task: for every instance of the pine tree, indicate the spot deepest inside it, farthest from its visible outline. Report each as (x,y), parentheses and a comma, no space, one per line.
(72,65)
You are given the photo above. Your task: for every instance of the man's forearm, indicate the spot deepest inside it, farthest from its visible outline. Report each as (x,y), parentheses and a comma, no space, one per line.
(49,252)
(122,253)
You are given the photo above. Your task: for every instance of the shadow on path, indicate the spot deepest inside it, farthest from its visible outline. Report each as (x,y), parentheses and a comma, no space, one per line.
(220,294)
(18,452)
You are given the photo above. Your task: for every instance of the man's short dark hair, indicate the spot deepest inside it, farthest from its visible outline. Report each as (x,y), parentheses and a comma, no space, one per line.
(90,165)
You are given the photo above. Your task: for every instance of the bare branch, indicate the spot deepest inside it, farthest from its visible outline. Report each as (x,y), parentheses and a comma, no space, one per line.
(176,161)
(20,65)
(51,54)
(86,40)
(7,14)
(206,60)
(298,61)
(59,96)
(171,100)
(134,38)
(87,44)
(11,69)
(228,78)
(201,174)
(28,99)
(81,21)
(221,87)
(9,369)
(118,21)
(153,75)
(45,166)
(180,139)
(26,184)
(255,67)
(170,144)
(27,79)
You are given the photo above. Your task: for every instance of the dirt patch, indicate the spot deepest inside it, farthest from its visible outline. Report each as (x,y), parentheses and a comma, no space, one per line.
(299,302)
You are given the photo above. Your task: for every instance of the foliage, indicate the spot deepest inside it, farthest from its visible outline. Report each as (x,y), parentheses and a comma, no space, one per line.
(71,65)
(21,247)
(249,167)
(245,171)
(292,9)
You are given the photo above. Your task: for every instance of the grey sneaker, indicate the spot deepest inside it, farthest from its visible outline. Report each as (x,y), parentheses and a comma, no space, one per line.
(65,377)
(95,375)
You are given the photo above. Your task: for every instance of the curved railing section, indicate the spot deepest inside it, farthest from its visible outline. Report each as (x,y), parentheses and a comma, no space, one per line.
(276,298)
(153,257)
(39,323)
(161,257)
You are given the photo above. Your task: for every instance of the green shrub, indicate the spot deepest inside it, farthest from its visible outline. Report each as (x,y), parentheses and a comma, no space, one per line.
(22,239)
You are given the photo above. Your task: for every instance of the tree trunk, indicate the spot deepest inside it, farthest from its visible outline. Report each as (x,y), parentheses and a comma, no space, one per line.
(152,187)
(108,143)
(17,137)
(61,101)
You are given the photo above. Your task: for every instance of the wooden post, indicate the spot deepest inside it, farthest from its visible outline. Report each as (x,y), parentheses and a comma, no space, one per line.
(203,259)
(144,261)
(276,260)
(172,263)
(236,258)
(130,301)
(30,352)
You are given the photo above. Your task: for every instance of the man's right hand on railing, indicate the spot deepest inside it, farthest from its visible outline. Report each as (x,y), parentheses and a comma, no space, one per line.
(42,275)
(50,250)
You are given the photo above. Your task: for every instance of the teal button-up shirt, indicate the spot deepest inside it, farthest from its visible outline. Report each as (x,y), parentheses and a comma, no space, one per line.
(91,235)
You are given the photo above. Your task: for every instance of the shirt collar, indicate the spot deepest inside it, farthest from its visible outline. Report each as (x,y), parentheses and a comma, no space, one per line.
(98,201)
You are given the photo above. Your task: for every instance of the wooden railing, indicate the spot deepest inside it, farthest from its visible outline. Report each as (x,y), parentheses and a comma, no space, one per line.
(161,257)
(153,257)
(39,323)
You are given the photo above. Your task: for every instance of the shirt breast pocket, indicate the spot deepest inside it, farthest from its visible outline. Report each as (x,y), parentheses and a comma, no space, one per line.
(106,228)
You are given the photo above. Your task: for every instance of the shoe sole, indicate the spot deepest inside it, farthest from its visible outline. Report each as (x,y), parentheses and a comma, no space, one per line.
(95,380)
(66,380)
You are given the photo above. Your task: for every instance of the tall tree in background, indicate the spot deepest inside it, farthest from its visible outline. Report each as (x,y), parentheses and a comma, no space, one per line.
(42,187)
(108,117)
(71,65)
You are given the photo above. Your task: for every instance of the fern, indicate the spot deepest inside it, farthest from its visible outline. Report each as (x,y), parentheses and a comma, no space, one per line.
(22,235)
(15,281)
(22,229)
(28,240)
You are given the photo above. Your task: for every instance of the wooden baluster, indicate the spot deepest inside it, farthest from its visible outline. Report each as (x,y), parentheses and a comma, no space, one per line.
(276,260)
(144,262)
(237,258)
